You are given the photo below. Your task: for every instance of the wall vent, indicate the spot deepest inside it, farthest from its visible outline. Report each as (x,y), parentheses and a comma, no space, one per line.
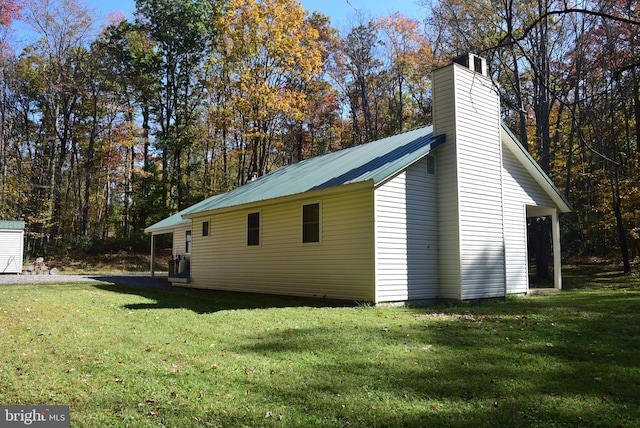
(431,165)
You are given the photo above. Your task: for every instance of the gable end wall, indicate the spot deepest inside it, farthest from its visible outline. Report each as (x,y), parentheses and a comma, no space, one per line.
(520,190)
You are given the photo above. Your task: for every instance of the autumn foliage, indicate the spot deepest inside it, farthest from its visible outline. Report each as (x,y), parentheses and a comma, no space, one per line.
(107,129)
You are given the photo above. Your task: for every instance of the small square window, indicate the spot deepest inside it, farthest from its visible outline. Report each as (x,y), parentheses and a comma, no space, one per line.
(253,229)
(311,223)
(205,228)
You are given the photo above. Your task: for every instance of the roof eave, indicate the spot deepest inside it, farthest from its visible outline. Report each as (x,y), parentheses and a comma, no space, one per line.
(310,194)
(12,224)
(167,225)
(163,230)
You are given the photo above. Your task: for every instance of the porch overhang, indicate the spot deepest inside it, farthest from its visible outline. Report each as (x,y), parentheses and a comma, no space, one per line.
(554,213)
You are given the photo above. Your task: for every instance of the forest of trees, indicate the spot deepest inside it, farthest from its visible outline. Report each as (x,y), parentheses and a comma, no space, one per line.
(107,127)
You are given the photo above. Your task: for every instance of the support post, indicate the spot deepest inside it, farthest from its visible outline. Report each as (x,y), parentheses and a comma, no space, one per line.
(557,254)
(152,268)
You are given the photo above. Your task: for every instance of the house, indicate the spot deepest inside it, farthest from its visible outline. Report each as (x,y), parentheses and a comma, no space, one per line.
(437,213)
(11,246)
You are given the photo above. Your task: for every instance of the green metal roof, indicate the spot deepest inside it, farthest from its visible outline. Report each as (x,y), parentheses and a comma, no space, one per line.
(167,224)
(376,161)
(12,224)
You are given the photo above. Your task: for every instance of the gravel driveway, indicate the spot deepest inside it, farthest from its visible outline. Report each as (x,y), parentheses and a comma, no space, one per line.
(142,279)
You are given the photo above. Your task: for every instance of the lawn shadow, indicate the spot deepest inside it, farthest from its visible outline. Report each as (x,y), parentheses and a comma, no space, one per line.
(503,364)
(598,276)
(201,301)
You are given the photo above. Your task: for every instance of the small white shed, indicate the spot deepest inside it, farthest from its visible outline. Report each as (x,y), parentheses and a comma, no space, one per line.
(11,246)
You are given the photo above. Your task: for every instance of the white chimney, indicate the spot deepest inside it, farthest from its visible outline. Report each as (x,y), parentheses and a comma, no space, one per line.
(466,109)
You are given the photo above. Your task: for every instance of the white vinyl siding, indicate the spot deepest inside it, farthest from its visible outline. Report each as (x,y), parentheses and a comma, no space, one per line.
(180,240)
(341,266)
(473,181)
(520,190)
(407,237)
(479,174)
(11,248)
(449,235)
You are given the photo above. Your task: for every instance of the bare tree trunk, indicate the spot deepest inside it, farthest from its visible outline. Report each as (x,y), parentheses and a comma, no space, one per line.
(617,211)
(578,63)
(3,144)
(128,192)
(89,167)
(143,212)
(177,173)
(636,110)
(542,110)
(49,227)
(524,139)
(225,162)
(299,143)
(366,109)
(107,205)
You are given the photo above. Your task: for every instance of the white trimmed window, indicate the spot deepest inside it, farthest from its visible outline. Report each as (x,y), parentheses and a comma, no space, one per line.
(311,223)
(187,243)
(253,229)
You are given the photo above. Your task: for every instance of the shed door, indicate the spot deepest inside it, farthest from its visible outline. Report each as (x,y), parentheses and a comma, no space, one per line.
(11,251)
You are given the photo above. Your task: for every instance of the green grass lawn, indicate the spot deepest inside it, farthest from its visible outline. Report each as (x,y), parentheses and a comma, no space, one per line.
(123,356)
